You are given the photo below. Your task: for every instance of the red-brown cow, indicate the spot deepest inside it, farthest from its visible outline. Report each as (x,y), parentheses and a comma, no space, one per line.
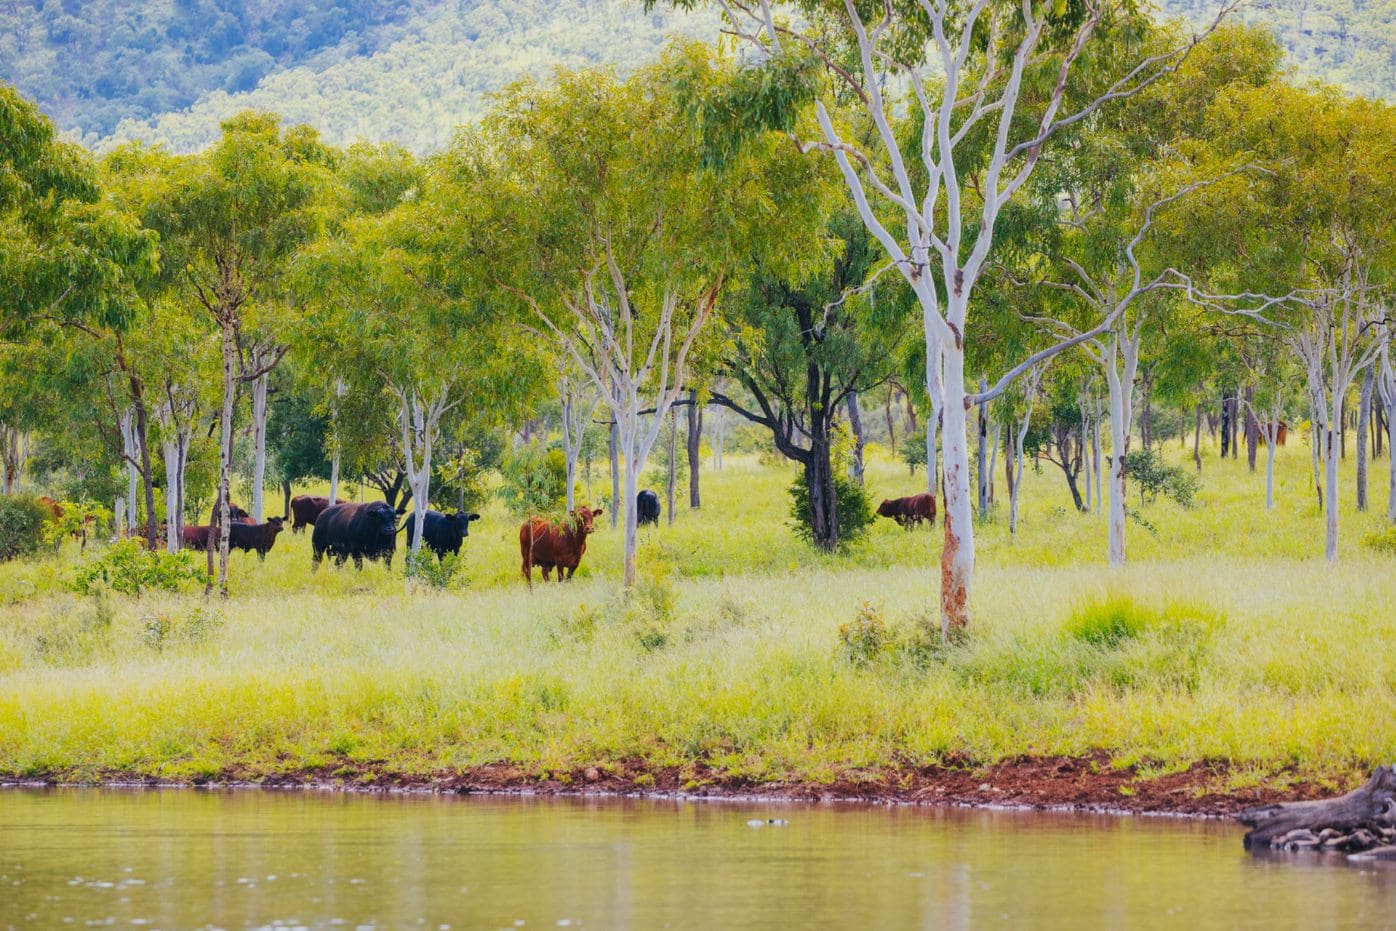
(910,511)
(305,509)
(549,546)
(195,537)
(54,508)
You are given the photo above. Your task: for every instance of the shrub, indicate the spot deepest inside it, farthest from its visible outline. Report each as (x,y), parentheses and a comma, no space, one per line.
(129,568)
(426,569)
(855,509)
(1152,477)
(1108,623)
(535,480)
(1383,541)
(22,520)
(866,637)
(79,519)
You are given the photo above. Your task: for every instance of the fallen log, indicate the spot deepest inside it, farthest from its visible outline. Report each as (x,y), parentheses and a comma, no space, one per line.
(1362,820)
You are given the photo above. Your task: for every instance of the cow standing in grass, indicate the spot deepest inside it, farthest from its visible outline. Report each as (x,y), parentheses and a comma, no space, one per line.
(444,532)
(257,538)
(306,509)
(361,531)
(647,508)
(910,511)
(549,546)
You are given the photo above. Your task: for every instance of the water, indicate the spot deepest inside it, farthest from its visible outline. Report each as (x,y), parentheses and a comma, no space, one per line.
(186,859)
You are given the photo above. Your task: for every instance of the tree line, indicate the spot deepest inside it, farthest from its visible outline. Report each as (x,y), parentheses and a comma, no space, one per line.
(1049,227)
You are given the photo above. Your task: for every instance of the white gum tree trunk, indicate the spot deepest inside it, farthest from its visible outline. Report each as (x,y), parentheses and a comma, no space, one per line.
(1030,388)
(260,385)
(419,418)
(340,389)
(1121,362)
(1386,391)
(130,451)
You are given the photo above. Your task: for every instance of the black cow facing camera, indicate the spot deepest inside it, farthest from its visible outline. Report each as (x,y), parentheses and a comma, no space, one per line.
(443,533)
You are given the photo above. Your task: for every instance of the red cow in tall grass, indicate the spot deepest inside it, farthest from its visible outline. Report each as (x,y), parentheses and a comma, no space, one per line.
(549,546)
(910,511)
(306,509)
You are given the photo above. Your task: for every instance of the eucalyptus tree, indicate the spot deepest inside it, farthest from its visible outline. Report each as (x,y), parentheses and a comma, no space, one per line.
(988,85)
(620,237)
(230,219)
(1386,391)
(407,321)
(1314,241)
(801,351)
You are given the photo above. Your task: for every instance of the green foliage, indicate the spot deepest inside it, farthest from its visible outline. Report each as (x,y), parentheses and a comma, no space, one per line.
(75,521)
(1383,541)
(1109,623)
(22,520)
(535,480)
(855,510)
(867,637)
(440,574)
(1153,476)
(131,569)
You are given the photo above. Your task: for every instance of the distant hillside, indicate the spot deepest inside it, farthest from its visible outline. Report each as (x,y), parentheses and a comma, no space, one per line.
(438,73)
(1346,42)
(92,63)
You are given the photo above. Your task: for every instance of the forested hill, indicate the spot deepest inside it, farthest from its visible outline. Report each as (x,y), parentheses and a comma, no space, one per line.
(170,71)
(1347,42)
(92,63)
(412,70)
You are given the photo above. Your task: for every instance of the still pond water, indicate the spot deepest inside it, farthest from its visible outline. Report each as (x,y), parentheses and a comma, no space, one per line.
(233,859)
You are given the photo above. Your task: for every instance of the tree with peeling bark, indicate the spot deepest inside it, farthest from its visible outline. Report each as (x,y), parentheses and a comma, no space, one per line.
(989,84)
(622,235)
(230,219)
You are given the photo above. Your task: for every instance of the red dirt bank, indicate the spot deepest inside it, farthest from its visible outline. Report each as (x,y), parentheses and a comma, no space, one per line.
(1059,783)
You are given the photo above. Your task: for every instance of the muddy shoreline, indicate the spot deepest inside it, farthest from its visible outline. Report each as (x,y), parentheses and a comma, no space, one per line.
(1081,784)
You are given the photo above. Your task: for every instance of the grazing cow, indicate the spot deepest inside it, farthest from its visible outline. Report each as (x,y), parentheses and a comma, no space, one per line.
(195,537)
(647,508)
(1281,432)
(258,537)
(367,530)
(550,546)
(910,511)
(306,508)
(443,532)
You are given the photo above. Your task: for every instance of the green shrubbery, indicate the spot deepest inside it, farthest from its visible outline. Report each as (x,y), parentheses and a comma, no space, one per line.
(855,509)
(535,480)
(22,520)
(131,569)
(439,574)
(1383,541)
(1151,476)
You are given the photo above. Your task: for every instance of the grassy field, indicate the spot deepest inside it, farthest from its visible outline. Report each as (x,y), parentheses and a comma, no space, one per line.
(743,655)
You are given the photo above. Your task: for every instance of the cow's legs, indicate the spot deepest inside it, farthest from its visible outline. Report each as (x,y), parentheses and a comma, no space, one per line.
(547,573)
(358,562)
(570,570)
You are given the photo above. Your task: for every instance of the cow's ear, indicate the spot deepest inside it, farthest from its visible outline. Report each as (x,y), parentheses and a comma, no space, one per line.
(597,512)
(470,517)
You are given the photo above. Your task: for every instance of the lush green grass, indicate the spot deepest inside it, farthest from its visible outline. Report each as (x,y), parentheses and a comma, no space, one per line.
(1226,638)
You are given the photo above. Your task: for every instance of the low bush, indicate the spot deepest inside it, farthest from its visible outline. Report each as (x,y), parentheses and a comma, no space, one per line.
(1383,541)
(855,509)
(440,574)
(22,520)
(867,637)
(131,569)
(1152,476)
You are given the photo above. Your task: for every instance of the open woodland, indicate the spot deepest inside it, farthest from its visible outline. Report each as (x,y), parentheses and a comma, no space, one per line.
(1114,290)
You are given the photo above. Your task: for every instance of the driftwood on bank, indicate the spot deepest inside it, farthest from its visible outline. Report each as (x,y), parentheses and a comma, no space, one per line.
(1363,822)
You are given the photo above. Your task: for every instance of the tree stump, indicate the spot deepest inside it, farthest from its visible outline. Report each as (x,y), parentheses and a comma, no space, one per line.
(1362,820)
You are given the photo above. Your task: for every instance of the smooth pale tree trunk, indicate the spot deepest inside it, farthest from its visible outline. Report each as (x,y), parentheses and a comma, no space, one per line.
(1364,416)
(420,421)
(334,475)
(1330,474)
(982,434)
(671,478)
(260,385)
(1121,359)
(957,555)
(613,450)
(340,389)
(1015,486)
(1386,391)
(994,459)
(225,457)
(176,435)
(569,451)
(855,421)
(1081,402)
(695,440)
(1252,429)
(935,390)
(1272,438)
(1096,460)
(128,453)
(1315,451)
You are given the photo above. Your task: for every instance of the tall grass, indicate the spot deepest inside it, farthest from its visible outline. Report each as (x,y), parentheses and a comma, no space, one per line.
(1226,638)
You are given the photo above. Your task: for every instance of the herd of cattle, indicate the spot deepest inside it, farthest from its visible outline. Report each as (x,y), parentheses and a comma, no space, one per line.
(346,530)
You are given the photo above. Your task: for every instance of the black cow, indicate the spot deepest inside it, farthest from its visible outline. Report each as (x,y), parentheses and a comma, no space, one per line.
(647,508)
(362,531)
(443,533)
(255,537)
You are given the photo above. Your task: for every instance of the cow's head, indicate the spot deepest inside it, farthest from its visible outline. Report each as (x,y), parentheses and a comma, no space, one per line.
(586,518)
(275,524)
(886,508)
(461,521)
(385,518)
